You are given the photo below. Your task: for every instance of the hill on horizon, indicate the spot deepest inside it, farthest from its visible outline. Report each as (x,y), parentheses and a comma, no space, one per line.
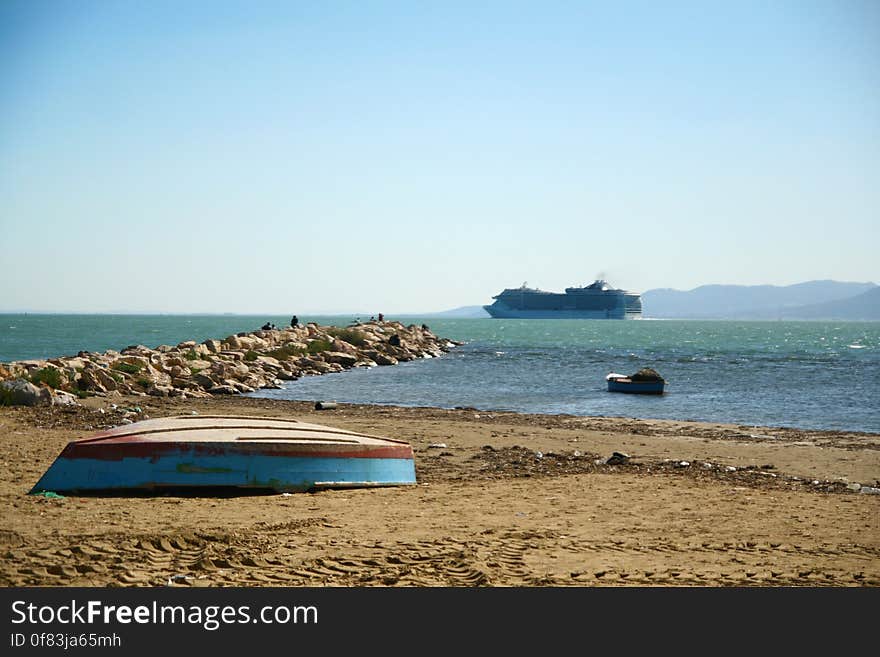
(462,312)
(865,306)
(809,300)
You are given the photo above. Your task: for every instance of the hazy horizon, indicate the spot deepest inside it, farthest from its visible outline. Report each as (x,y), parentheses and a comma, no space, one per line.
(277,158)
(345,313)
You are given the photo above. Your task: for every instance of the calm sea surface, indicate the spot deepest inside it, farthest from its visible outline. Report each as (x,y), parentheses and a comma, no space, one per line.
(821,375)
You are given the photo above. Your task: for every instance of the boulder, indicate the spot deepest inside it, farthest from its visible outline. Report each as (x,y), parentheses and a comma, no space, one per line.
(343,346)
(380,358)
(269,362)
(340,358)
(203,380)
(231,343)
(212,346)
(19,392)
(223,390)
(62,398)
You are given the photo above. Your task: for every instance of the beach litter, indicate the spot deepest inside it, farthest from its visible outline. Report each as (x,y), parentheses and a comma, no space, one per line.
(617,458)
(50,494)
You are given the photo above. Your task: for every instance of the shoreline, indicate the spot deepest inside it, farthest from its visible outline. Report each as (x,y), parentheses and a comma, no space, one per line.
(502,499)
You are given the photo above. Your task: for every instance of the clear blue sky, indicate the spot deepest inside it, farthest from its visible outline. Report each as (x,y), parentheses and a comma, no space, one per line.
(417,156)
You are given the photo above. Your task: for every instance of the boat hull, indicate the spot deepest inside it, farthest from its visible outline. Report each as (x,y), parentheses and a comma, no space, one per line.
(636,387)
(232,454)
(186,469)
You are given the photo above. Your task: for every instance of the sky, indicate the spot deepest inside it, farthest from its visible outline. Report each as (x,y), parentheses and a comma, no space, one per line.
(324,157)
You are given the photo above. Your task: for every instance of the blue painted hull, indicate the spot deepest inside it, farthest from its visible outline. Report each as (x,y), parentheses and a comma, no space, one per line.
(637,387)
(187,470)
(229,454)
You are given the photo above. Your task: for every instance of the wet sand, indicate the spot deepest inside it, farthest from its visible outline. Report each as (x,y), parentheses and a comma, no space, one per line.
(508,500)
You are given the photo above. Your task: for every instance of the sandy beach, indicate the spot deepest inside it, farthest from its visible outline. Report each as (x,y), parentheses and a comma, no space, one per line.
(502,499)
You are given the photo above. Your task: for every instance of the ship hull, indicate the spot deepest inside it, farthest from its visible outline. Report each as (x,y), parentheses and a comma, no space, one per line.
(500,312)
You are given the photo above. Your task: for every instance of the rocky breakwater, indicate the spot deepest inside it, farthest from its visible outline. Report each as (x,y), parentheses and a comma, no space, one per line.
(240,363)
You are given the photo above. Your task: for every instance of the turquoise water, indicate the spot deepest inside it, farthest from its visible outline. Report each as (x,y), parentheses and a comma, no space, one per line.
(821,375)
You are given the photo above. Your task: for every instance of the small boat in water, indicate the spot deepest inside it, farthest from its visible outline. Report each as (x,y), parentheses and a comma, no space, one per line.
(227,455)
(644,382)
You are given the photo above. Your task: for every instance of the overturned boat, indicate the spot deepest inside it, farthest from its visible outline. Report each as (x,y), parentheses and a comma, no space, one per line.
(646,381)
(227,454)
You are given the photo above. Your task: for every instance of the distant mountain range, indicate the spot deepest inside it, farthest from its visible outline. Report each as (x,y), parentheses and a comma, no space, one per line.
(810,300)
(464,312)
(831,300)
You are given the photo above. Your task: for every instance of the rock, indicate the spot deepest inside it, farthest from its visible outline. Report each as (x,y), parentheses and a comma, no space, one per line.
(223,390)
(159,390)
(381,359)
(96,379)
(62,398)
(213,346)
(617,458)
(252,343)
(203,380)
(320,366)
(196,393)
(19,392)
(869,490)
(269,362)
(342,358)
(343,346)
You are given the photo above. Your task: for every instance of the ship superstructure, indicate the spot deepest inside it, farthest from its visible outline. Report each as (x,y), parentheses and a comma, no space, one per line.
(598,300)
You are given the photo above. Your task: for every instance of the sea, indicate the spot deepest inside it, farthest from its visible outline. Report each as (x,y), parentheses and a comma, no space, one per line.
(807,375)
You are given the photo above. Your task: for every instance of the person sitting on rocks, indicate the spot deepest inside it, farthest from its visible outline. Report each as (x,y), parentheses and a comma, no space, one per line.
(294,321)
(381,317)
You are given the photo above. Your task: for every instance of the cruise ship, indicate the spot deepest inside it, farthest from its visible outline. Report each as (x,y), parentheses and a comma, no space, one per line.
(598,300)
